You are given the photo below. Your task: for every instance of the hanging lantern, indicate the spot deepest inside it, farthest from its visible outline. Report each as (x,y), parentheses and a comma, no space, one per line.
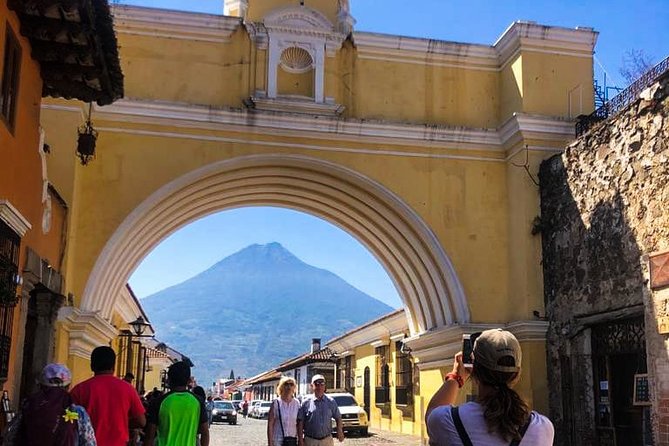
(86,141)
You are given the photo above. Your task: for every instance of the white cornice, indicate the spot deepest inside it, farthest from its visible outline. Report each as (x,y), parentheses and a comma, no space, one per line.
(421,51)
(530,36)
(13,218)
(388,135)
(437,348)
(519,37)
(174,24)
(87,330)
(379,331)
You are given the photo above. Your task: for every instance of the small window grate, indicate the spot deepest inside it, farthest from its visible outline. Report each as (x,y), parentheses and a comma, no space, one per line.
(10,79)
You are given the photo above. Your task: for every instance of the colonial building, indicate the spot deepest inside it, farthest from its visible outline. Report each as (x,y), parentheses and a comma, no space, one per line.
(57,49)
(426,151)
(605,230)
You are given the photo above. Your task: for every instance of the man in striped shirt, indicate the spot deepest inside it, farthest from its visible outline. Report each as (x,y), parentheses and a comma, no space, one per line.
(314,420)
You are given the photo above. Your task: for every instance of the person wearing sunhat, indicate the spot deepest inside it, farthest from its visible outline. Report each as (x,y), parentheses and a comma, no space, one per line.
(48,417)
(499,417)
(314,419)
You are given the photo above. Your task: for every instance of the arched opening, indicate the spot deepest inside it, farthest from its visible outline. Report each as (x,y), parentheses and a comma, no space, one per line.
(393,232)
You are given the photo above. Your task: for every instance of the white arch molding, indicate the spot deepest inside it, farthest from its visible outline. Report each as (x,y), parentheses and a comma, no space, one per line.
(391,230)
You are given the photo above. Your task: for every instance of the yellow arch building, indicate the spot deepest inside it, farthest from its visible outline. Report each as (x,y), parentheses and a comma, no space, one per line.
(426,151)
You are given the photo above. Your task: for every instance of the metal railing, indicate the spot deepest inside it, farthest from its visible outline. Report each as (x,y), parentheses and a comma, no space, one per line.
(622,99)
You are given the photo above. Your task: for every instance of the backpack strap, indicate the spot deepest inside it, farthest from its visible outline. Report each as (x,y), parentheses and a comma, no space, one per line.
(522,431)
(464,437)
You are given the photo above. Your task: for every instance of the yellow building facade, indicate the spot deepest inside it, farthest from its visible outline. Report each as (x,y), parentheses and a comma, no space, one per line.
(376,365)
(425,151)
(33,214)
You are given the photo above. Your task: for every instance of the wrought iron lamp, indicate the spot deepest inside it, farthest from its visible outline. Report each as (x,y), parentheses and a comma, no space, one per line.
(87,139)
(139,326)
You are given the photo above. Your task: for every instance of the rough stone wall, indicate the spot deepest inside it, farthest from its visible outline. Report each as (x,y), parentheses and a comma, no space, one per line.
(605,205)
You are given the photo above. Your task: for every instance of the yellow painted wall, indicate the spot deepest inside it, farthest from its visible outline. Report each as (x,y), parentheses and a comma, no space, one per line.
(410,92)
(547,83)
(187,71)
(294,84)
(480,209)
(259,9)
(21,176)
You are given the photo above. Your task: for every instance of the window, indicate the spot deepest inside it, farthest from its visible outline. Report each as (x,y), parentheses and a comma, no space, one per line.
(382,375)
(403,378)
(345,368)
(10,79)
(9,260)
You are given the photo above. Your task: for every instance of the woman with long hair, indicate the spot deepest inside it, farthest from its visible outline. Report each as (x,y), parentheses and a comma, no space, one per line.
(499,417)
(282,421)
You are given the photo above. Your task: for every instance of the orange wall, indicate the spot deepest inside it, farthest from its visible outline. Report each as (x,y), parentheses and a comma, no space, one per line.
(21,168)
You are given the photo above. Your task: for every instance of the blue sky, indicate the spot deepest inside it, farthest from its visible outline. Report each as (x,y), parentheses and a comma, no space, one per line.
(623,26)
(199,245)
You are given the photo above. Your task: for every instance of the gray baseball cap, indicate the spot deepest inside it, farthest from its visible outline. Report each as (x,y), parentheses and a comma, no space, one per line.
(495,344)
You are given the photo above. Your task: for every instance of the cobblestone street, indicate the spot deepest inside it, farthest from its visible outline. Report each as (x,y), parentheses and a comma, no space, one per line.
(251,432)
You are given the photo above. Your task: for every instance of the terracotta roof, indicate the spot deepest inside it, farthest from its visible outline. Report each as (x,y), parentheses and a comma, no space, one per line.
(75,45)
(270,375)
(322,355)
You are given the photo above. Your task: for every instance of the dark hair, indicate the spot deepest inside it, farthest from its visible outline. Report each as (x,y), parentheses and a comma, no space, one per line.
(199,391)
(103,359)
(504,411)
(178,374)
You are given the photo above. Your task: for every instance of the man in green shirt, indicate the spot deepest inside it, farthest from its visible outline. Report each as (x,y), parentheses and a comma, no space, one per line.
(178,417)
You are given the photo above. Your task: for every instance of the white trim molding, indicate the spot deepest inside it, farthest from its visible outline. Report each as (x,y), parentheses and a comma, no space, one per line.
(13,218)
(435,139)
(87,330)
(386,327)
(153,22)
(408,249)
(519,37)
(437,348)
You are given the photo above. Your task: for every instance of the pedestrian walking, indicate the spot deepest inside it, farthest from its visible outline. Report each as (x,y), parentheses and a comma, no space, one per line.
(499,417)
(314,420)
(282,419)
(49,417)
(113,404)
(176,419)
(245,408)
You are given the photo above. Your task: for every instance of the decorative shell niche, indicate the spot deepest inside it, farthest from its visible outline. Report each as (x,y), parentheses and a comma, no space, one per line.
(296,74)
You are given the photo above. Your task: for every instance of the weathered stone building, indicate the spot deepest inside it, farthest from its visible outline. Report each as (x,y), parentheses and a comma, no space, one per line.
(605,220)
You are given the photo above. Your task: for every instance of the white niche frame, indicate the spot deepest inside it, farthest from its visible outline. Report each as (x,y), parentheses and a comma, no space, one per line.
(302,27)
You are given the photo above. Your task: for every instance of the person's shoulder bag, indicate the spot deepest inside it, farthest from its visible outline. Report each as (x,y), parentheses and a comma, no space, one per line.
(464,437)
(287,441)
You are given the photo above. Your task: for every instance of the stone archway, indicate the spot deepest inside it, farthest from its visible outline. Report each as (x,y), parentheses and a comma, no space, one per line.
(393,232)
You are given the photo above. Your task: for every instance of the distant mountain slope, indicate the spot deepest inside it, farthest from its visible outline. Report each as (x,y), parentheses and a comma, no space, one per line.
(254,309)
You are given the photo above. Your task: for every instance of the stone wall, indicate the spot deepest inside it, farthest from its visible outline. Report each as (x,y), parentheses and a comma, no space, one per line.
(605,207)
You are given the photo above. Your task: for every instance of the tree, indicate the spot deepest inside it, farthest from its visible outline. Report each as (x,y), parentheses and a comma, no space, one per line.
(635,64)
(232,374)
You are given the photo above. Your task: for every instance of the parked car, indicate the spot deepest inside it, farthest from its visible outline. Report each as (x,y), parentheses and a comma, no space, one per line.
(253,408)
(353,417)
(224,411)
(262,409)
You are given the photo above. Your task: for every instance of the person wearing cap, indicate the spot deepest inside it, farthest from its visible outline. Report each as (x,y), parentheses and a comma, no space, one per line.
(499,417)
(113,404)
(48,417)
(314,419)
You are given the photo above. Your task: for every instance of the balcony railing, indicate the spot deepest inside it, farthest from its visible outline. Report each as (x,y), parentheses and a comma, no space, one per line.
(622,99)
